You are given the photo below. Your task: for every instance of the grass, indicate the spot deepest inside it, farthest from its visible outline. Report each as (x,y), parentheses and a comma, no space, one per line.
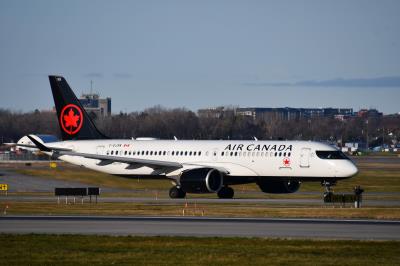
(127,250)
(213,210)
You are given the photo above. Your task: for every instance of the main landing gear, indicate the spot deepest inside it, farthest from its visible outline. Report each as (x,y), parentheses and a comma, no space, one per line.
(223,193)
(176,193)
(226,193)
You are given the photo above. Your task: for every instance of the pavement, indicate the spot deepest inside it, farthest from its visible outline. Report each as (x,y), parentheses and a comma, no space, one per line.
(203,227)
(25,183)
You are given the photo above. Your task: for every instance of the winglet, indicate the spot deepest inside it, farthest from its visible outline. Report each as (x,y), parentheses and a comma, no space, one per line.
(39,145)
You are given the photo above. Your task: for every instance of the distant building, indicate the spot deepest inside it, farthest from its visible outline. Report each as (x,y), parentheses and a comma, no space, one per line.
(216,112)
(369,113)
(96,106)
(284,113)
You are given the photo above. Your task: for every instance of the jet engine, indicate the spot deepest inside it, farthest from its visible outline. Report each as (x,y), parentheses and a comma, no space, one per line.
(278,186)
(201,180)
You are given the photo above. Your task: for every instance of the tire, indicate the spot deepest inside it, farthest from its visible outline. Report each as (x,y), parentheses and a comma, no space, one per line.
(176,193)
(226,193)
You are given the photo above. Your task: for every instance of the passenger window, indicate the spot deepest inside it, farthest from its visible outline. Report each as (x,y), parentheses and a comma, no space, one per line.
(199,153)
(164,153)
(231,153)
(289,154)
(185,153)
(147,152)
(112,152)
(235,153)
(116,152)
(280,154)
(194,153)
(276,154)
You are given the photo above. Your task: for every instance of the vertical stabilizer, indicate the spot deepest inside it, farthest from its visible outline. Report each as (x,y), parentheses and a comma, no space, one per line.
(74,122)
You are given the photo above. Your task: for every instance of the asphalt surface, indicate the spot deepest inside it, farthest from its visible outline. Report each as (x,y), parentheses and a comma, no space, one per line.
(203,227)
(25,183)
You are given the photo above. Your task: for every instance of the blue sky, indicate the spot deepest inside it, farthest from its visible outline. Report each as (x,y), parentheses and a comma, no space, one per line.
(198,54)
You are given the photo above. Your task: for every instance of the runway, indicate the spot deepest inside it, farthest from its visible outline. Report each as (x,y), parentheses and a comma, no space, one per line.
(203,227)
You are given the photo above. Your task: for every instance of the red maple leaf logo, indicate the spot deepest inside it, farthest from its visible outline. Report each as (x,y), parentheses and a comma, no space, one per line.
(286,162)
(71,119)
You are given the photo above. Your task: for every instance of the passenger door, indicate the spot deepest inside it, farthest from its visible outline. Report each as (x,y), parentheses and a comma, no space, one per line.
(305,157)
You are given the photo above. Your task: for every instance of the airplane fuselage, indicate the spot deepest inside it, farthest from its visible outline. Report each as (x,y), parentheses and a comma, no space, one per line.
(299,160)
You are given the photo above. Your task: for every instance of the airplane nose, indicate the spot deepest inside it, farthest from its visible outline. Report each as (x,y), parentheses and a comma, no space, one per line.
(352,170)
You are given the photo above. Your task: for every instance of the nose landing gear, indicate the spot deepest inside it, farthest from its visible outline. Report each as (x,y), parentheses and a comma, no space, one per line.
(328,185)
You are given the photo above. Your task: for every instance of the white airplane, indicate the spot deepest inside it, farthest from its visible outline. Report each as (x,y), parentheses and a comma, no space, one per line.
(42,138)
(193,166)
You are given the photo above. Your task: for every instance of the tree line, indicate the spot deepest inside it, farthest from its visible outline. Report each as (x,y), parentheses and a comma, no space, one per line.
(163,123)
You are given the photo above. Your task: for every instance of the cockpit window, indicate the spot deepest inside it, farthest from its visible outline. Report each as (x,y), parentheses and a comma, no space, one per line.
(331,155)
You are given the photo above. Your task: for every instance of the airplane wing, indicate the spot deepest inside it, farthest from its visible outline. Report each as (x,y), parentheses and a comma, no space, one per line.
(45,148)
(133,163)
(159,167)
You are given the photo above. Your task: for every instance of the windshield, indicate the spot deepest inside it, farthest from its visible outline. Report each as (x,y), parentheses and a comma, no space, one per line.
(331,155)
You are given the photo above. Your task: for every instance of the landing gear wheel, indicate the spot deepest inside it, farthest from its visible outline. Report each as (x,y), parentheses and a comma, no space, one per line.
(225,193)
(176,193)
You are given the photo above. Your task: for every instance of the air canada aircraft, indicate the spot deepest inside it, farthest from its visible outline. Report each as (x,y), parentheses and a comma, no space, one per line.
(193,166)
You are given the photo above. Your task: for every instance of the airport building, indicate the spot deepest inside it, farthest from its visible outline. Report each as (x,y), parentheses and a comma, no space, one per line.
(96,106)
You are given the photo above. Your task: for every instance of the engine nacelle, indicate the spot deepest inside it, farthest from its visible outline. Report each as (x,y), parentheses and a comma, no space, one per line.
(278,186)
(201,180)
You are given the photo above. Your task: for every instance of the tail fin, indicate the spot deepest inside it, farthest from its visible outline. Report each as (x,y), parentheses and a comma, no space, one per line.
(74,122)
